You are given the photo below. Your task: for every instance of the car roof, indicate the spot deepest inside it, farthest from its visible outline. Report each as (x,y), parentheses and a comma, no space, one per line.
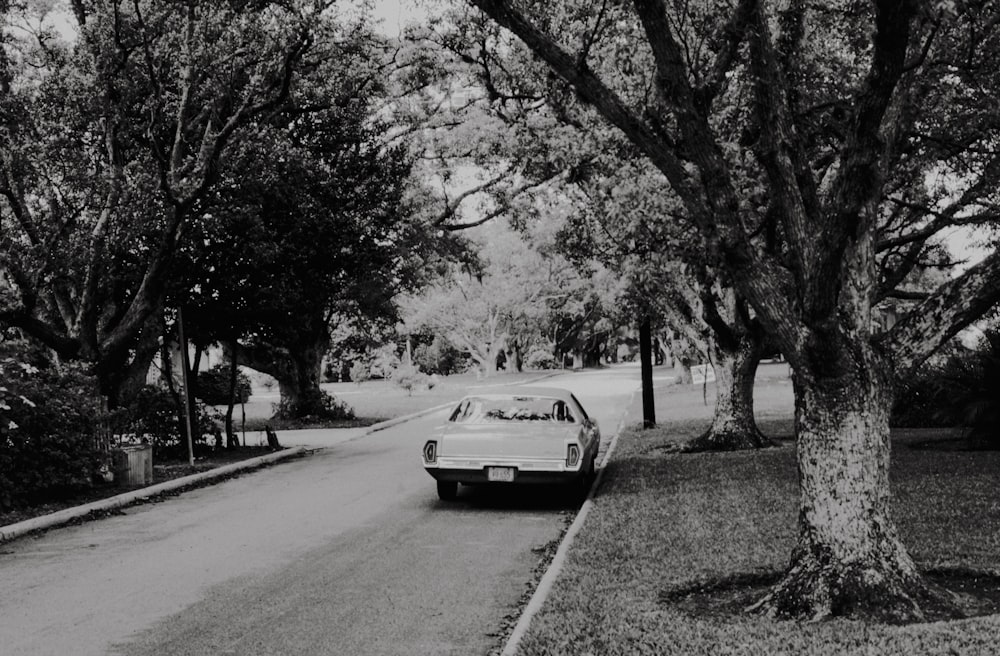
(507,390)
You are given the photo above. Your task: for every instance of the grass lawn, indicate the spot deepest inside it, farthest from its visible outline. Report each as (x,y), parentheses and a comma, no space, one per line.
(643,575)
(377,400)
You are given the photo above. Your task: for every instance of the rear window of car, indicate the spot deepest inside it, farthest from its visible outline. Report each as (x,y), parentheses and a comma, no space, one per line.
(492,409)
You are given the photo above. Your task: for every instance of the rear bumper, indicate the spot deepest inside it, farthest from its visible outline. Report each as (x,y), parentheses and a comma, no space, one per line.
(525,472)
(478,477)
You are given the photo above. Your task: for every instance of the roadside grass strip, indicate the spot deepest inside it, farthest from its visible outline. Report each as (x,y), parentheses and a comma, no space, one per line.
(676,546)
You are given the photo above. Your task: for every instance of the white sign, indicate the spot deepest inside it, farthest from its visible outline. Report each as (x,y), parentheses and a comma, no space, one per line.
(702,373)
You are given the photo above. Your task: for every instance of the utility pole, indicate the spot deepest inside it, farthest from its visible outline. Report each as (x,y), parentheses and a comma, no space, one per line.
(187,389)
(646,361)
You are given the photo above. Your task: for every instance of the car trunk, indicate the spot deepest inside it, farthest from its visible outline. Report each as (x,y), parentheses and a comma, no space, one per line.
(513,440)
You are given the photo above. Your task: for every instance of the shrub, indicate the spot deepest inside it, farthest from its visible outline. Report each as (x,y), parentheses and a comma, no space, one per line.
(960,387)
(408,377)
(439,357)
(921,402)
(360,371)
(314,406)
(540,359)
(51,424)
(972,385)
(212,386)
(155,417)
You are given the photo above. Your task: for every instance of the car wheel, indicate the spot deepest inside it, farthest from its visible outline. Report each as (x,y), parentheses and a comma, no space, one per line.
(592,474)
(447,490)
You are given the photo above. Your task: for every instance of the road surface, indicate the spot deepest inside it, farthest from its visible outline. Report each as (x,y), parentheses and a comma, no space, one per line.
(346,551)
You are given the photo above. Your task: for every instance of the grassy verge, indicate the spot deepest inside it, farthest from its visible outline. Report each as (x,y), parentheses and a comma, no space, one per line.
(666,524)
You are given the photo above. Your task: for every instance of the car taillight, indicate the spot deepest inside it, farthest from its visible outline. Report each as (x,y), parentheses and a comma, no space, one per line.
(573,455)
(430,452)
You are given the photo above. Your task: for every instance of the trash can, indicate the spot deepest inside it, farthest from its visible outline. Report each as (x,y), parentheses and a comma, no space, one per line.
(133,465)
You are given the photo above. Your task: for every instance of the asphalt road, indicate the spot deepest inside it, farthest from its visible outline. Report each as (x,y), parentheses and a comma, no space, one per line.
(346,551)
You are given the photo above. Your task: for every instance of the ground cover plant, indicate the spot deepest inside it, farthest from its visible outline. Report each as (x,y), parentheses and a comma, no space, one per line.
(677,546)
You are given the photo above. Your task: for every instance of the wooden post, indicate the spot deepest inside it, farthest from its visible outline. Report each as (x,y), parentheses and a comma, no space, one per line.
(646,361)
(187,389)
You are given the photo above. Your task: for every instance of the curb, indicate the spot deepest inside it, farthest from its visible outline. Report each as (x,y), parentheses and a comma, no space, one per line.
(395,421)
(544,587)
(57,518)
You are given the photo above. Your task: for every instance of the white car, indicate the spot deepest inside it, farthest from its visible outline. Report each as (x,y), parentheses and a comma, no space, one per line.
(514,435)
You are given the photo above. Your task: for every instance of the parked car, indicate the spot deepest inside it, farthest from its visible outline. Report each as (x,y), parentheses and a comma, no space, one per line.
(519,435)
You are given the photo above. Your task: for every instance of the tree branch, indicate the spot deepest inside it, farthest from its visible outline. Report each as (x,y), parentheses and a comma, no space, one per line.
(953,306)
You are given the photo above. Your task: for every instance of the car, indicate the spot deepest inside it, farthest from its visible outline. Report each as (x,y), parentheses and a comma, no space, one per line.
(514,436)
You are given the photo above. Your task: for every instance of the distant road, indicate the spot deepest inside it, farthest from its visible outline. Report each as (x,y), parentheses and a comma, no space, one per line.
(348,551)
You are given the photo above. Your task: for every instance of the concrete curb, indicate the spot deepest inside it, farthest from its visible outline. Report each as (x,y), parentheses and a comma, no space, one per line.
(395,421)
(559,559)
(12,531)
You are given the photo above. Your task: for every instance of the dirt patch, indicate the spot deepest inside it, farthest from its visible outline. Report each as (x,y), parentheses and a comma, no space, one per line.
(978,593)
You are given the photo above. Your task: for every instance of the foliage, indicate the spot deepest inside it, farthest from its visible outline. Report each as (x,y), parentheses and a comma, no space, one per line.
(408,377)
(113,138)
(541,359)
(213,386)
(322,233)
(52,426)
(975,391)
(439,357)
(314,406)
(360,371)
(962,388)
(155,416)
(523,294)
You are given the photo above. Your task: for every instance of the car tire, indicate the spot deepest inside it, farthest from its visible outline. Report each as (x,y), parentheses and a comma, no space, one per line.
(447,490)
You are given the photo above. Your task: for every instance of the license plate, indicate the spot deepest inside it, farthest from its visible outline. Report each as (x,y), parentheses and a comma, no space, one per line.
(500,474)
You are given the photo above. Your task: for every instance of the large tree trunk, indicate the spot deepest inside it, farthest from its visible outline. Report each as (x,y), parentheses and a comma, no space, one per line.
(849,560)
(297,370)
(733,425)
(232,441)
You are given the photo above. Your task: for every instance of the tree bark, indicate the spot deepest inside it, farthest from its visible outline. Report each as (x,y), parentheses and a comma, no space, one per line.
(733,425)
(232,441)
(297,370)
(849,560)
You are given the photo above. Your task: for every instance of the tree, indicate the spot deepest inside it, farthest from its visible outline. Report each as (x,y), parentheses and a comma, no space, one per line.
(625,221)
(782,122)
(537,148)
(110,142)
(320,234)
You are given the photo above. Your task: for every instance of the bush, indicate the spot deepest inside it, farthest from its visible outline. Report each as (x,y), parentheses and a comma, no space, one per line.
(540,359)
(921,402)
(408,377)
(360,371)
(439,357)
(52,424)
(972,384)
(212,386)
(314,406)
(959,388)
(155,417)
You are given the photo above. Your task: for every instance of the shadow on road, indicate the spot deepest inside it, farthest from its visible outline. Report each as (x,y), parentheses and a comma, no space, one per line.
(507,497)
